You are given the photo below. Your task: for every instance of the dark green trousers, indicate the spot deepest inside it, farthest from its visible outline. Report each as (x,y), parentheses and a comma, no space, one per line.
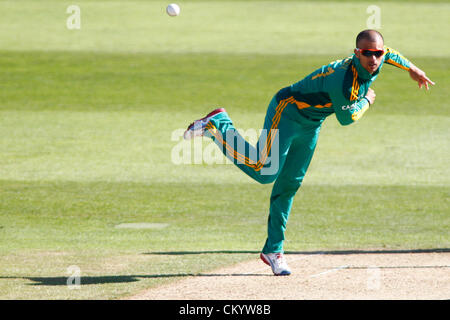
(282,155)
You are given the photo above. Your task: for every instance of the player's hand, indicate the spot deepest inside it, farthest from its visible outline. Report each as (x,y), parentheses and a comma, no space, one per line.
(418,75)
(371,96)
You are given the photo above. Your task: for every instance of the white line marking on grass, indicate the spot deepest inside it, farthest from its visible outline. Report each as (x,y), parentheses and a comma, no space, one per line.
(328,271)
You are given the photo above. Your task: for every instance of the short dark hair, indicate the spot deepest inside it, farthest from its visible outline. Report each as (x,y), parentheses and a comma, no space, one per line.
(369,34)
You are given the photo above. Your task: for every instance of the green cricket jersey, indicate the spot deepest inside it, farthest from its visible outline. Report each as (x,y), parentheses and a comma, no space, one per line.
(339,87)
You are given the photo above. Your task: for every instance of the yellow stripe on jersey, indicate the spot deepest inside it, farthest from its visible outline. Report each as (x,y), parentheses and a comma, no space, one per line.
(390,61)
(397,64)
(355,85)
(324,74)
(359,114)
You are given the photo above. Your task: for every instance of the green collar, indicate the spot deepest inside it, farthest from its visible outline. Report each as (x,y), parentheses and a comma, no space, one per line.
(363,73)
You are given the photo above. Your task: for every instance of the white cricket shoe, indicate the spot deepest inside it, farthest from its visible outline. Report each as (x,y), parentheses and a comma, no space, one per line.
(277,262)
(197,128)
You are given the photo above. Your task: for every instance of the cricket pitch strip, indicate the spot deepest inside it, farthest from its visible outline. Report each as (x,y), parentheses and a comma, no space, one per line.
(360,275)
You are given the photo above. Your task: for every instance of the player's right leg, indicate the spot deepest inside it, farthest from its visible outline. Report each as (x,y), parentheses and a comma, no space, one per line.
(262,162)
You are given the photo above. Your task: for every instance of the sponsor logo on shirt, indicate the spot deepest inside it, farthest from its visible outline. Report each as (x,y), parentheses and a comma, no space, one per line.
(351,107)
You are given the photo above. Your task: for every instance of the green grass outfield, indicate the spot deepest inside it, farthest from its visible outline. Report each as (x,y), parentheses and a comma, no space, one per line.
(89,120)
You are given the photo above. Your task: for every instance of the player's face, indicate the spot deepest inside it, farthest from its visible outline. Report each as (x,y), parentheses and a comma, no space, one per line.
(369,54)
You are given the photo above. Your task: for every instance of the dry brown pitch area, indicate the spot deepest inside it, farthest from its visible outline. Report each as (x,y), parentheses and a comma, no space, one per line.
(339,275)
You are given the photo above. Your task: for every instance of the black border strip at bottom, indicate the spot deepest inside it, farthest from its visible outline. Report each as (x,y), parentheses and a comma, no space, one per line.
(216,309)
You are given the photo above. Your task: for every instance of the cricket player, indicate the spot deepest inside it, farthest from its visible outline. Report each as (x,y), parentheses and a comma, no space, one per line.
(292,124)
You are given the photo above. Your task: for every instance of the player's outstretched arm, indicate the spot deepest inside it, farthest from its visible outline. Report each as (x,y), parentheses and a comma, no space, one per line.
(395,58)
(418,75)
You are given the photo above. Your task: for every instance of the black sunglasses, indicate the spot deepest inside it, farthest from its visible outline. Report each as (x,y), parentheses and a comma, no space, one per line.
(371,52)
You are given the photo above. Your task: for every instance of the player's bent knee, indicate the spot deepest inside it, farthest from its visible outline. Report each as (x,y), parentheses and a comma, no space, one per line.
(266,179)
(289,185)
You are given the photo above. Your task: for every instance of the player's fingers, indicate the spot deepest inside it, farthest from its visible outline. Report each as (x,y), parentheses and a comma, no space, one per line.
(428,80)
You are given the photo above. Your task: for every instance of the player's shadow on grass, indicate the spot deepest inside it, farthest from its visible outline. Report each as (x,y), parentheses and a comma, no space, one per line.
(176,253)
(330,252)
(87,280)
(95,280)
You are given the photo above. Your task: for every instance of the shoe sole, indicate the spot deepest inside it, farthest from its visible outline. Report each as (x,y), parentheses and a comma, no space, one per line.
(209,115)
(267,261)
